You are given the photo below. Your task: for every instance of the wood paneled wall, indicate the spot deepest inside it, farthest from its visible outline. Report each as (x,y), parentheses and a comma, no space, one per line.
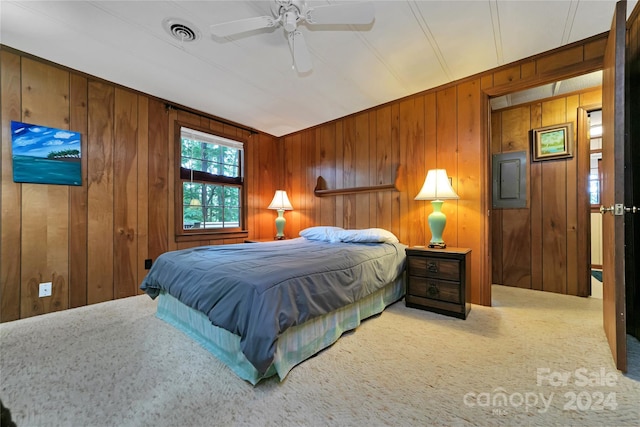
(446,127)
(545,245)
(408,137)
(91,241)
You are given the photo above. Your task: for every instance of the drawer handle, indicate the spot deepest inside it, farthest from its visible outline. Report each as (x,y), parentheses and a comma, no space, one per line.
(432,267)
(433,290)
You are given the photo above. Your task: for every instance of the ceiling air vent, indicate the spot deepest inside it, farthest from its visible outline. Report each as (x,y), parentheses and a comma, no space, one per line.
(181,30)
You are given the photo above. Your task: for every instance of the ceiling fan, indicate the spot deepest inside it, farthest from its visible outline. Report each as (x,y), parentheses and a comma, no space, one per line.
(290,13)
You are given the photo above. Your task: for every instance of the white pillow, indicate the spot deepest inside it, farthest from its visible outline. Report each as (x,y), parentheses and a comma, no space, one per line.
(322,233)
(368,235)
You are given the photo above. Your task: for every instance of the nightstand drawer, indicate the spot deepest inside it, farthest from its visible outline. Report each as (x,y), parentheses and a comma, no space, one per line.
(434,289)
(439,280)
(434,267)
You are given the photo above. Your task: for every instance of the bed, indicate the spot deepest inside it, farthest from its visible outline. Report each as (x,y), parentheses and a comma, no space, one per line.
(262,308)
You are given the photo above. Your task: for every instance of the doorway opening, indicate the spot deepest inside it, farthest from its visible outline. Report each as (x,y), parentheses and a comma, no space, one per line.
(545,244)
(594,127)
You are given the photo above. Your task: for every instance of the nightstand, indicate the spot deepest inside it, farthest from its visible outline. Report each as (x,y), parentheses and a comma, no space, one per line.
(266,239)
(439,280)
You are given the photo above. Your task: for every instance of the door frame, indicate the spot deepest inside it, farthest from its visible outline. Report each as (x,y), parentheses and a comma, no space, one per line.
(582,121)
(583,218)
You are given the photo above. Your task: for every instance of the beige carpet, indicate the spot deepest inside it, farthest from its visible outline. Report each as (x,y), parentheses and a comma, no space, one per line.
(115,364)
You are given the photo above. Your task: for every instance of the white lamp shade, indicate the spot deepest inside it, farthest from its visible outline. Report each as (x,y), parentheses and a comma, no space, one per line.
(281,201)
(437,187)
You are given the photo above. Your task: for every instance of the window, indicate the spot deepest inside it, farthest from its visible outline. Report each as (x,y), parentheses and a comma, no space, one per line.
(595,144)
(211,175)
(595,178)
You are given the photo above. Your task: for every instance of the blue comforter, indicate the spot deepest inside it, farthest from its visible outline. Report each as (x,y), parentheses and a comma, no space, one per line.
(258,290)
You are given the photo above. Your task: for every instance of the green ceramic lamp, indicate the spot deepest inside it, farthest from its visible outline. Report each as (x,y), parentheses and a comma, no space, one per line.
(437,188)
(280,203)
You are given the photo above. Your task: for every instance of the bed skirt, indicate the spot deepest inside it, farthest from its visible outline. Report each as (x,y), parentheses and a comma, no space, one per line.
(296,344)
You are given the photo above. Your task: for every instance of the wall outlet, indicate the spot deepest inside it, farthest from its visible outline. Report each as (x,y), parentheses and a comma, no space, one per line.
(45,289)
(147,264)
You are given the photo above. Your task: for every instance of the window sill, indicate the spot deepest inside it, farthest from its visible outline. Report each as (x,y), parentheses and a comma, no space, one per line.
(212,235)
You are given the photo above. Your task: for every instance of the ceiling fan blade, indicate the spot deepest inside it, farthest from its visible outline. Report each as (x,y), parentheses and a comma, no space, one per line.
(344,13)
(230,28)
(300,52)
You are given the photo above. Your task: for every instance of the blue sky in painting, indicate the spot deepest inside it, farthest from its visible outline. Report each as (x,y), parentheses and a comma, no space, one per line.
(39,141)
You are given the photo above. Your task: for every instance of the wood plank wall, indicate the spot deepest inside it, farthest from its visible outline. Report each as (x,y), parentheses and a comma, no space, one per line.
(92,240)
(407,137)
(544,245)
(446,127)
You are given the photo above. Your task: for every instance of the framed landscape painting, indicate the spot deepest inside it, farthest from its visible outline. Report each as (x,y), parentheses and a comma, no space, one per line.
(552,142)
(44,155)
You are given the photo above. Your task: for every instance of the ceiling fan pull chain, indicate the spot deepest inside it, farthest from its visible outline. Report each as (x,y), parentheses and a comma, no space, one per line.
(293,59)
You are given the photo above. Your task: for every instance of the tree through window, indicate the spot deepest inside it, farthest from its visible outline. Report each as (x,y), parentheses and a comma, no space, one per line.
(212,181)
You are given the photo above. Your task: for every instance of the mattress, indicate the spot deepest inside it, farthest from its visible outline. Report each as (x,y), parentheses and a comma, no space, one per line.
(258,291)
(295,345)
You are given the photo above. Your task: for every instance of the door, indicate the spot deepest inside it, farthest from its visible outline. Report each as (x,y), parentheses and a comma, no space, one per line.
(613,153)
(632,185)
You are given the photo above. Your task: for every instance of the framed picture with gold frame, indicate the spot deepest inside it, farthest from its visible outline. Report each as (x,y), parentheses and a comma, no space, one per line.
(552,142)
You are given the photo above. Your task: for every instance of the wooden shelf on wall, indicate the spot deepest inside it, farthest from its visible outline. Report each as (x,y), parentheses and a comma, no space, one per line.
(321,189)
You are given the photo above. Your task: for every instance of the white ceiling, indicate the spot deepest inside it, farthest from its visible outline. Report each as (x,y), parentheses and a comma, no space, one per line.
(411,46)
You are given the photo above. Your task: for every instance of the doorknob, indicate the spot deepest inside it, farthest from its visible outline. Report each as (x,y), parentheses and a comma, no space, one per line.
(619,209)
(604,210)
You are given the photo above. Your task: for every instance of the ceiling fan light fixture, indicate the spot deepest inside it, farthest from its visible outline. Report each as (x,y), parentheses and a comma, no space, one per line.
(287,14)
(290,21)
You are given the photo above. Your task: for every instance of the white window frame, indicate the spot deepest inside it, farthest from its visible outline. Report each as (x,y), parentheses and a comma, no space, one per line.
(184,175)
